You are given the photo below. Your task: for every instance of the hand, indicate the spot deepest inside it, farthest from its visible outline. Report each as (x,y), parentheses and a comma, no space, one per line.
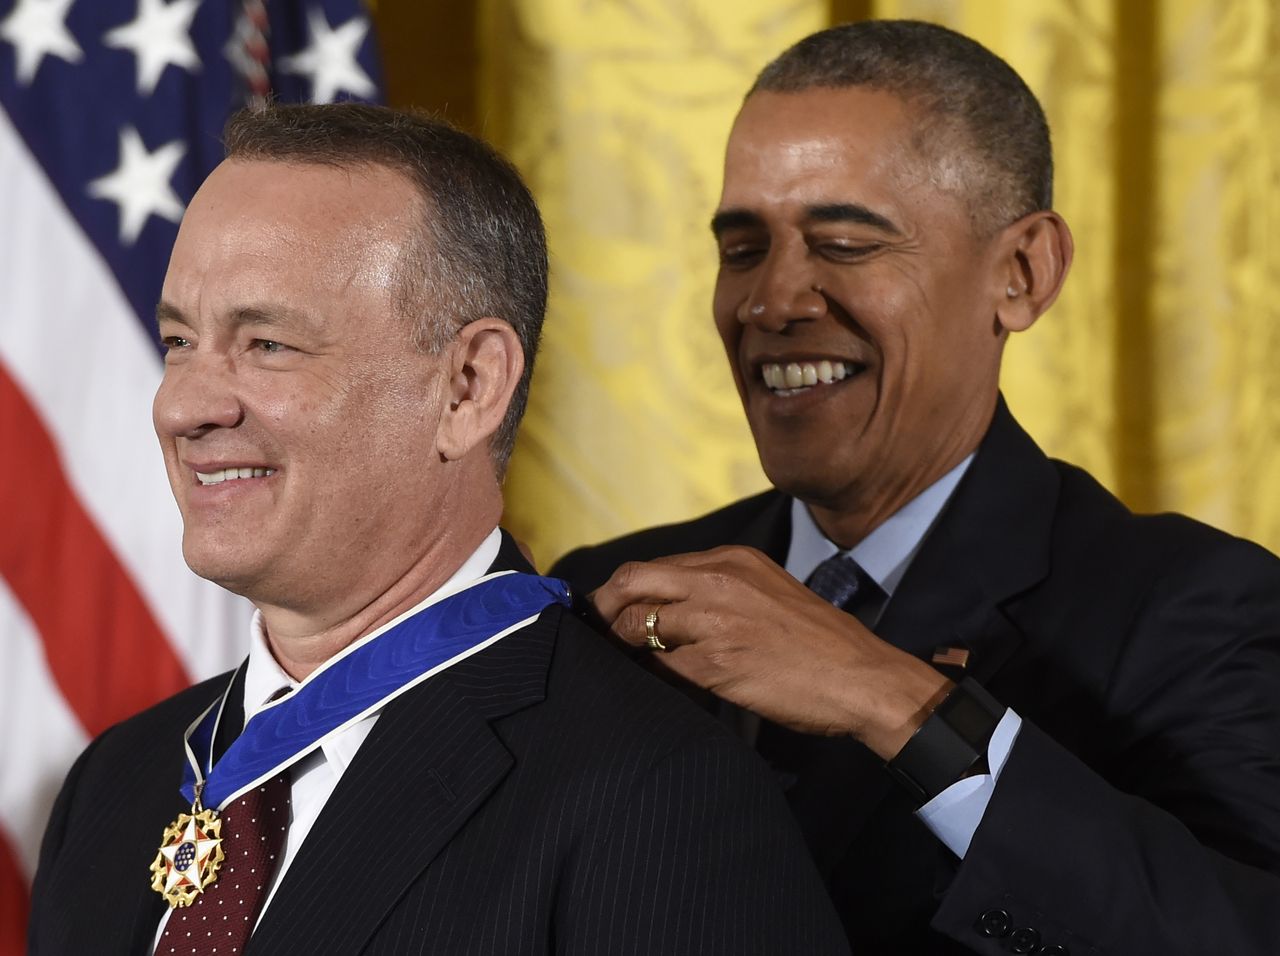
(738,625)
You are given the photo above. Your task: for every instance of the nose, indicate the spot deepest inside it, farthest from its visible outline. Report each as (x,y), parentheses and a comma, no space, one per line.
(784,291)
(196,395)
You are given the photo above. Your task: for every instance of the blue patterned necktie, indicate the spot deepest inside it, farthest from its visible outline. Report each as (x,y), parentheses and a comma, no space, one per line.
(841,582)
(837,580)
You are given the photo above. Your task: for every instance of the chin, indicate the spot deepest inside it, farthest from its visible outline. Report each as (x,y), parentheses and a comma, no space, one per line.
(828,479)
(225,567)
(801,480)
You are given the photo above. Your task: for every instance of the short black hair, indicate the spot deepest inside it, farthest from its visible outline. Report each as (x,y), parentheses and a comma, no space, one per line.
(482,249)
(967,98)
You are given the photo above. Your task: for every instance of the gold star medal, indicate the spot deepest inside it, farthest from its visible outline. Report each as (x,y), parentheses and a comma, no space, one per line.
(189,856)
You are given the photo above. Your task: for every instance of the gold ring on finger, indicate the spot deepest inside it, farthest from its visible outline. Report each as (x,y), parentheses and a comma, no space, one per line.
(651,631)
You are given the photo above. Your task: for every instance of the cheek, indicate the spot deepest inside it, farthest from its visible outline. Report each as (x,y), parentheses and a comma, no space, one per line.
(724,309)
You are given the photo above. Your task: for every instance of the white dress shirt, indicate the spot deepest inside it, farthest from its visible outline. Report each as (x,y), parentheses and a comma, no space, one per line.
(314,777)
(885,555)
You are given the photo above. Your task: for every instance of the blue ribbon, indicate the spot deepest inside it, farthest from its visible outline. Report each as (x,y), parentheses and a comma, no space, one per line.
(361,680)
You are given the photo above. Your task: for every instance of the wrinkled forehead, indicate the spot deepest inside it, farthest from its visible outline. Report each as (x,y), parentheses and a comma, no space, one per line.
(304,202)
(262,231)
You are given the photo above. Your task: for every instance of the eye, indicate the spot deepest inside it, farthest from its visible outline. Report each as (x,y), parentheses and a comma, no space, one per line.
(171,342)
(741,255)
(849,252)
(270,346)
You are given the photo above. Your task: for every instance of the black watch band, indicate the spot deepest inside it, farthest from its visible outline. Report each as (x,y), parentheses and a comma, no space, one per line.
(950,741)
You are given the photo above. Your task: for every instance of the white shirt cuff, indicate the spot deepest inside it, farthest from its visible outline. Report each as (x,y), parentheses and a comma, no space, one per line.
(954,814)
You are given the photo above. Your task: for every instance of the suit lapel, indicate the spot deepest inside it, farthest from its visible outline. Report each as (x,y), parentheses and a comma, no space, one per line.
(428,765)
(990,545)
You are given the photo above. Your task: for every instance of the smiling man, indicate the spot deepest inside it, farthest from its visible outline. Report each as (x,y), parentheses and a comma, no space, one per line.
(424,752)
(1010,715)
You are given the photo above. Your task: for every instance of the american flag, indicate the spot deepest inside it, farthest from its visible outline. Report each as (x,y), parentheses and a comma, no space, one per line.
(110,115)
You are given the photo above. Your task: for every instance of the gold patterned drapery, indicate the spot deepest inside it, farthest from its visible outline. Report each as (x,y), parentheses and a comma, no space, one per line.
(1156,370)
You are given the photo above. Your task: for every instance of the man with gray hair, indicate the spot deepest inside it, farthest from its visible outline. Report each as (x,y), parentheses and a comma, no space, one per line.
(1011,716)
(424,752)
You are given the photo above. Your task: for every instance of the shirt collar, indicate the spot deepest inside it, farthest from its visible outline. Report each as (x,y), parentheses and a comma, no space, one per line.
(884,554)
(264,677)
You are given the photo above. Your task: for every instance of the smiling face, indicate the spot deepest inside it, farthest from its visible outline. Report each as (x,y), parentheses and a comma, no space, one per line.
(297,420)
(857,307)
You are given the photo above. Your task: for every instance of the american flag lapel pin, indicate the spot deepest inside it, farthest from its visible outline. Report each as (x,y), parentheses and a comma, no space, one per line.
(945,656)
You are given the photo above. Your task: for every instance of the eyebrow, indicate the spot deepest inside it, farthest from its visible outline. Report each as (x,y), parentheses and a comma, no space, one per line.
(851,212)
(728,219)
(170,313)
(270,318)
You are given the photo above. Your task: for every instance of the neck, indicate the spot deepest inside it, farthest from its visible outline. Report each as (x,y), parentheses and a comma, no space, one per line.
(847,526)
(302,640)
(849,518)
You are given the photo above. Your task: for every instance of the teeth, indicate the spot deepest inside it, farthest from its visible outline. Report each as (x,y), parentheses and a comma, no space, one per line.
(795,375)
(228,474)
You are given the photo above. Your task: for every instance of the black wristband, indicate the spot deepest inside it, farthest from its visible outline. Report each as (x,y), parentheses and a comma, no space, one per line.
(950,741)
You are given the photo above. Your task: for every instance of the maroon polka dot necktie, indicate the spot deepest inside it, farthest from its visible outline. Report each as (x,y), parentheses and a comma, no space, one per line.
(222,917)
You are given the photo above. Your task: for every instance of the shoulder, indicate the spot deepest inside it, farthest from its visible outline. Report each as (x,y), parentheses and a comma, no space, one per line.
(1152,606)
(137,744)
(1150,547)
(169,718)
(605,724)
(598,691)
(123,785)
(589,567)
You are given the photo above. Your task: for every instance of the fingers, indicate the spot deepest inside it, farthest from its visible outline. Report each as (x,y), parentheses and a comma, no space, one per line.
(654,626)
(677,578)
(641,582)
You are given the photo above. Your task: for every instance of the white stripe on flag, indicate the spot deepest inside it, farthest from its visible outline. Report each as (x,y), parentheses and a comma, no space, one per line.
(39,735)
(69,338)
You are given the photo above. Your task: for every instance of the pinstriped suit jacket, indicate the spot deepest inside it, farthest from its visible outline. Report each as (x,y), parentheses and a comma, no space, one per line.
(543,796)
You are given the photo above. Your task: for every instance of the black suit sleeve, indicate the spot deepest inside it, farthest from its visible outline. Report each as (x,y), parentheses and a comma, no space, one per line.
(1174,845)
(693,864)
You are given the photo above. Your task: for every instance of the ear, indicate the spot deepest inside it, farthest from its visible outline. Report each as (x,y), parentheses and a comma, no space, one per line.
(1035,254)
(486,361)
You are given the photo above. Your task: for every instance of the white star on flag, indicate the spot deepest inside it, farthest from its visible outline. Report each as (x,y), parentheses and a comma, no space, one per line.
(157,36)
(37,28)
(330,58)
(140,184)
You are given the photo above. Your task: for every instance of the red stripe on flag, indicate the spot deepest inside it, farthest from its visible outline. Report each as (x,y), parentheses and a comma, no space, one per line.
(14,903)
(105,650)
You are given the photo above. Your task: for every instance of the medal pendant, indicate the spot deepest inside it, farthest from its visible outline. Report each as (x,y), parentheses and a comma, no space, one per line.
(189,857)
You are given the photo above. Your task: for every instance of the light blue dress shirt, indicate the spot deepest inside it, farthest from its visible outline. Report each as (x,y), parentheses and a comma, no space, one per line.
(885,555)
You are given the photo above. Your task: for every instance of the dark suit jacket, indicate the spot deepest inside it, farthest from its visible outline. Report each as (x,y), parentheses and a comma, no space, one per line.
(1139,811)
(543,796)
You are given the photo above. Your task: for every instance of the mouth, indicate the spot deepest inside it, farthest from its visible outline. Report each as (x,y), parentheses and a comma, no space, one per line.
(218,476)
(786,379)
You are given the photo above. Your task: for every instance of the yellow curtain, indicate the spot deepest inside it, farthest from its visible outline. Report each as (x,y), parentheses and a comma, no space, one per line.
(1156,370)
(617,113)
